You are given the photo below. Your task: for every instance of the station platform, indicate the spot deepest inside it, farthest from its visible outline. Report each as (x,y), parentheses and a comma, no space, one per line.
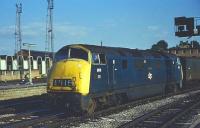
(21,90)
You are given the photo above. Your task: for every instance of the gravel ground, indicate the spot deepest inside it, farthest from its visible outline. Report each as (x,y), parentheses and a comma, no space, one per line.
(114,120)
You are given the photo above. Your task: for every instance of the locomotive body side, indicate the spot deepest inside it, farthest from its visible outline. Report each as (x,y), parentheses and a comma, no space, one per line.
(115,78)
(123,77)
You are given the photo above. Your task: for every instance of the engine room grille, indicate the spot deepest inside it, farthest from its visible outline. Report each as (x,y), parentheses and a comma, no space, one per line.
(63,82)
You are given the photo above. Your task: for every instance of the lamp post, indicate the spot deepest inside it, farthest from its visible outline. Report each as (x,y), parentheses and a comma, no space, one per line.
(28,45)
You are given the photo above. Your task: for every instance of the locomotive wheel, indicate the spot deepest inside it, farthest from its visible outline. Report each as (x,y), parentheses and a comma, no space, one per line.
(91,106)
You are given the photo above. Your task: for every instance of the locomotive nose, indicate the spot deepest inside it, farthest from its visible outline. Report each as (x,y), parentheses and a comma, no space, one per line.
(70,75)
(65,75)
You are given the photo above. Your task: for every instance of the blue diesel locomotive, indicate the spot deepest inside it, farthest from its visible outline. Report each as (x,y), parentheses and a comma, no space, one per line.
(86,76)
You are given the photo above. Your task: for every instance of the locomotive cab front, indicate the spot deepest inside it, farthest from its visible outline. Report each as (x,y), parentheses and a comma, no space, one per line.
(70,71)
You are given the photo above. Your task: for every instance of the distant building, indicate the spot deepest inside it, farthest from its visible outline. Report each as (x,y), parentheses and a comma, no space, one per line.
(15,67)
(186,51)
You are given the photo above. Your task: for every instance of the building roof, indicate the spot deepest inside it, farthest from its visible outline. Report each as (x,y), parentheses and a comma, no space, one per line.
(35,53)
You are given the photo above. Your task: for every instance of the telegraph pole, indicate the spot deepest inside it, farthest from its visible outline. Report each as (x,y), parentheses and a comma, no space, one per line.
(49,29)
(18,36)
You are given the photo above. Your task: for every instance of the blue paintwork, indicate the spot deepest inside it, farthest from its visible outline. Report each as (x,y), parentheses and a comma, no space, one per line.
(164,72)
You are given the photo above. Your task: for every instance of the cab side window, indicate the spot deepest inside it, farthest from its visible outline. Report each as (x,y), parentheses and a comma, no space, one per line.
(98,58)
(95,58)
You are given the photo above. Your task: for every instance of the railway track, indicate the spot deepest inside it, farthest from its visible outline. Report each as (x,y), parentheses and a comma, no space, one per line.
(27,112)
(76,120)
(31,118)
(55,118)
(10,110)
(177,114)
(39,118)
(39,115)
(20,105)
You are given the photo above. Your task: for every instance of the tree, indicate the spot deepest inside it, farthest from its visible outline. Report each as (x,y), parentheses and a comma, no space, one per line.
(154,47)
(195,44)
(161,45)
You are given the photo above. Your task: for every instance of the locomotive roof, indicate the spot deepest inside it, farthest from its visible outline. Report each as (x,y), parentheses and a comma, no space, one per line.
(125,51)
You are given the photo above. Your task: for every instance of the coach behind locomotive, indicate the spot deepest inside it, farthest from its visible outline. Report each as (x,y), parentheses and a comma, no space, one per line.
(86,76)
(191,70)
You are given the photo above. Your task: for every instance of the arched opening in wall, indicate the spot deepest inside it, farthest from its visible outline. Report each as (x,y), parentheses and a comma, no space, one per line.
(39,62)
(3,65)
(48,64)
(9,63)
(34,67)
(35,63)
(31,63)
(20,62)
(15,67)
(21,66)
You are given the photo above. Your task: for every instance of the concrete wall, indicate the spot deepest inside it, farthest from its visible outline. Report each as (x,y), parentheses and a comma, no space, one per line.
(14,93)
(15,75)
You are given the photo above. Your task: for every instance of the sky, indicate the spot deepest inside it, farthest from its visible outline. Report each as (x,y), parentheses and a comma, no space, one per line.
(119,23)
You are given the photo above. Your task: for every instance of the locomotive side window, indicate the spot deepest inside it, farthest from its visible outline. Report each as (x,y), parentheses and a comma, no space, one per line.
(78,53)
(95,58)
(124,64)
(102,58)
(98,58)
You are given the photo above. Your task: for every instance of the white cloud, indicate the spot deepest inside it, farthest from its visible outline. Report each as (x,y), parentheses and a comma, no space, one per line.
(158,32)
(7,30)
(153,27)
(33,29)
(37,29)
(70,30)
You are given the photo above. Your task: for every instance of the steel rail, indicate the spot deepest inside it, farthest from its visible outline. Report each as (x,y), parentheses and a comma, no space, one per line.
(174,111)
